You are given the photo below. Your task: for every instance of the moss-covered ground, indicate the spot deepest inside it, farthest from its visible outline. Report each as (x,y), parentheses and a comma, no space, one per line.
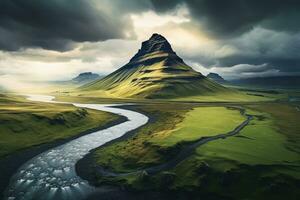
(24,124)
(262,161)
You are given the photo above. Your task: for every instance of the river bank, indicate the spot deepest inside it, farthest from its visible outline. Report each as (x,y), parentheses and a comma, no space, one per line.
(87,169)
(9,164)
(84,167)
(52,174)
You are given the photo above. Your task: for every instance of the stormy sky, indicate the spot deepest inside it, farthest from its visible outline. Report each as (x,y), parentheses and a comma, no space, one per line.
(57,39)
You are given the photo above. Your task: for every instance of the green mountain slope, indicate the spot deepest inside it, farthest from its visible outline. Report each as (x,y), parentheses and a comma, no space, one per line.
(155,72)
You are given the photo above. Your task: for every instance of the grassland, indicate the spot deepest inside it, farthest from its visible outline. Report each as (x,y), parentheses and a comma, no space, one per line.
(200,122)
(24,124)
(117,156)
(261,162)
(174,126)
(231,96)
(238,97)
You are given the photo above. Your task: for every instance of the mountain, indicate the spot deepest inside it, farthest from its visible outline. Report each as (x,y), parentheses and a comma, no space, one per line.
(85,77)
(2,89)
(155,71)
(279,82)
(217,78)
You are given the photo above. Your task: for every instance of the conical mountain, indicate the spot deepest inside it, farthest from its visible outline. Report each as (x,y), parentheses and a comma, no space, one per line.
(155,71)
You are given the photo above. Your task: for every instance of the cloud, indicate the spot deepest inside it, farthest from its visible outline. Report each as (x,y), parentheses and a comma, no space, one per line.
(186,37)
(256,47)
(45,65)
(231,18)
(57,24)
(260,45)
(247,71)
(58,39)
(247,68)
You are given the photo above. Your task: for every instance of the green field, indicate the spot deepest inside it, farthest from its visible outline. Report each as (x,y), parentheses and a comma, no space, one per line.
(261,142)
(262,161)
(262,157)
(174,126)
(200,122)
(24,124)
(237,95)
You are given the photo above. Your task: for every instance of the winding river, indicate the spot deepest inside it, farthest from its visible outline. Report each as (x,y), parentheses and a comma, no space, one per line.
(51,175)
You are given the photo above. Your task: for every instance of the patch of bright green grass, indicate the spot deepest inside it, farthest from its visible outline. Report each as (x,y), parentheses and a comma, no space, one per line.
(258,143)
(266,141)
(260,162)
(157,142)
(286,119)
(233,97)
(200,122)
(137,152)
(24,124)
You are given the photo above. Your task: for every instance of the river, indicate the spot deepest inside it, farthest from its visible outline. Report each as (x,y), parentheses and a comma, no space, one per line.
(51,174)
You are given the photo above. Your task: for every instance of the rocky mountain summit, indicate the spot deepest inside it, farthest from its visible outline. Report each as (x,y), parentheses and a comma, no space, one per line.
(155,71)
(216,77)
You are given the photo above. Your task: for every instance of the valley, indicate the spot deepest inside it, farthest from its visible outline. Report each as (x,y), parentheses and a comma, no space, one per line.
(153,129)
(149,100)
(29,128)
(258,150)
(26,124)
(266,149)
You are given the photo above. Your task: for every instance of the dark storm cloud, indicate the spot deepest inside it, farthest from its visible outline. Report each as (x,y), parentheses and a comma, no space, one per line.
(261,31)
(284,65)
(231,17)
(54,24)
(278,49)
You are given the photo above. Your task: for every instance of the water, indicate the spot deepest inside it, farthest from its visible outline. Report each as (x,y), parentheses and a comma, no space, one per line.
(51,175)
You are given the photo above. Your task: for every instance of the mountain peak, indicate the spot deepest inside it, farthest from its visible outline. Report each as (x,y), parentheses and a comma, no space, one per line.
(156,43)
(157,38)
(216,77)
(155,72)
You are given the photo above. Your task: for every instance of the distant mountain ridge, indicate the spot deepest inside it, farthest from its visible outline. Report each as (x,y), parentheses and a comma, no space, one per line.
(217,78)
(85,77)
(155,71)
(270,82)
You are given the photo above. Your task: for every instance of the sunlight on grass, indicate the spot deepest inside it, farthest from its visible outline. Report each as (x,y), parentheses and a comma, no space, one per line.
(200,122)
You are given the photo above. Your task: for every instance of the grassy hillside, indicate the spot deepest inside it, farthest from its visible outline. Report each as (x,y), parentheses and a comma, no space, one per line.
(155,72)
(238,95)
(24,123)
(155,81)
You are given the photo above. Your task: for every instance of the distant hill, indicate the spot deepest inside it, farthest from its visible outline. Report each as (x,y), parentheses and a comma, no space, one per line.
(270,82)
(2,89)
(85,77)
(217,78)
(155,71)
